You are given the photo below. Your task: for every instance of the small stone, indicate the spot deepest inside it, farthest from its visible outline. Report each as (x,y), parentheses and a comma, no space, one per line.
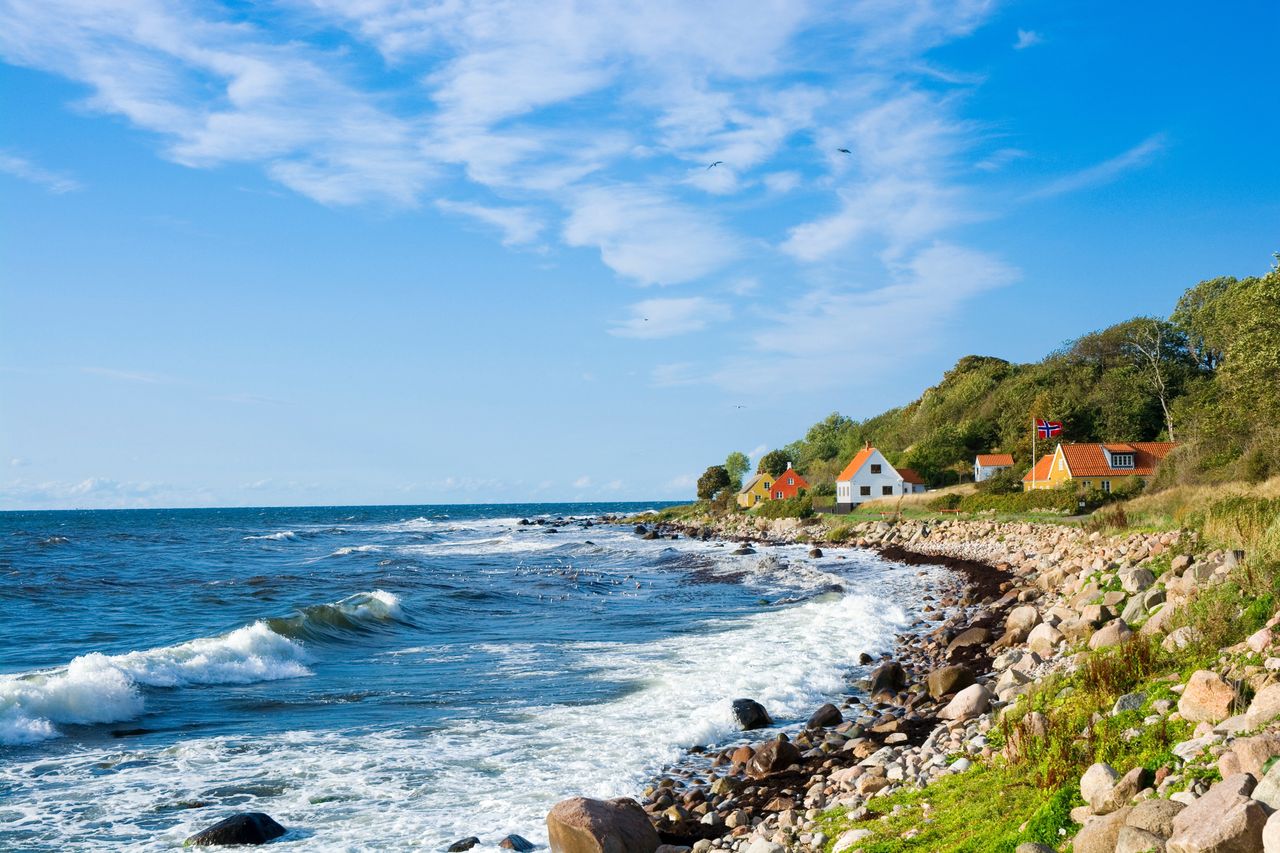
(518,843)
(463,844)
(243,828)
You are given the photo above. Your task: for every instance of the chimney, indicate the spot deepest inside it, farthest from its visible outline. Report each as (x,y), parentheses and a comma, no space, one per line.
(867,446)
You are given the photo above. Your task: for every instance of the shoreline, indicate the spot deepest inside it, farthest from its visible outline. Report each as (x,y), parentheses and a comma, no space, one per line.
(780,785)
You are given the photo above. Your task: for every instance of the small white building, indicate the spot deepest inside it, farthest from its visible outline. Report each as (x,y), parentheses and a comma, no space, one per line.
(867,477)
(987,465)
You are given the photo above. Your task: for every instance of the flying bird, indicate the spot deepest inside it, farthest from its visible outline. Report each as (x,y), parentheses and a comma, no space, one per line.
(716,163)
(844,150)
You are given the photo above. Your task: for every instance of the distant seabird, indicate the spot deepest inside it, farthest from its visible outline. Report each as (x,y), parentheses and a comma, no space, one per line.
(716,163)
(844,150)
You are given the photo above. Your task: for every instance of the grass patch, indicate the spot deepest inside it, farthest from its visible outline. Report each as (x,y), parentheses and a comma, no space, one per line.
(980,811)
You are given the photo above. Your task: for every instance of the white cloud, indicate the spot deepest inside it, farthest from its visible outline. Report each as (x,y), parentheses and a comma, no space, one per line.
(1026,39)
(99,493)
(681,482)
(519,225)
(998,159)
(1105,172)
(663,318)
(781,183)
(24,169)
(647,236)
(583,482)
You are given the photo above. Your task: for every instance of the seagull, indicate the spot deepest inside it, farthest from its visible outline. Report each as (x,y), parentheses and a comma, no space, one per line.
(844,150)
(739,407)
(716,163)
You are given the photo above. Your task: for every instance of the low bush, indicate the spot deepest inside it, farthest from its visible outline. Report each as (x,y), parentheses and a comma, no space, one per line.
(801,507)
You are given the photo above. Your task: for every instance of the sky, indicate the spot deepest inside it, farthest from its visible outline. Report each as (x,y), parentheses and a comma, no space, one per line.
(391,252)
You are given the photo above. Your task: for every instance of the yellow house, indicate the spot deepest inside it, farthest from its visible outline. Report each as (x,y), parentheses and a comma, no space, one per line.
(755,490)
(1097,466)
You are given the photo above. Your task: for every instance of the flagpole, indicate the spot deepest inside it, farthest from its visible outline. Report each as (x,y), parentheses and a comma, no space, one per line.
(1034,460)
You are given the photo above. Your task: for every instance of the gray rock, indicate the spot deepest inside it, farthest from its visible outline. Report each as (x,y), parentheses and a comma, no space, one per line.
(949,679)
(1155,816)
(1134,840)
(1100,834)
(1224,820)
(1128,702)
(1113,633)
(1124,790)
(518,843)
(1137,580)
(970,702)
(1271,834)
(827,715)
(1097,782)
(1267,791)
(1033,847)
(750,714)
(463,845)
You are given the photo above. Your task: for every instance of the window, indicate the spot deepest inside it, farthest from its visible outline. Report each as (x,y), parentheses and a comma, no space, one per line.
(1106,486)
(875,469)
(864,490)
(791,481)
(886,490)
(777,496)
(1122,460)
(1062,464)
(766,485)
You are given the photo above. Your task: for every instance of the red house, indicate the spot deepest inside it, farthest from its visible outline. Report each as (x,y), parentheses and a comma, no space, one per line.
(788,484)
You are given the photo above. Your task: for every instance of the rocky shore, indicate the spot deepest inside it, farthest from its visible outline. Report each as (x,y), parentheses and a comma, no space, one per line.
(1027,599)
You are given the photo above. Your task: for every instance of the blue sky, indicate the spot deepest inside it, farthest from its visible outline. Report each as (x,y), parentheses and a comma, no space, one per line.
(381,251)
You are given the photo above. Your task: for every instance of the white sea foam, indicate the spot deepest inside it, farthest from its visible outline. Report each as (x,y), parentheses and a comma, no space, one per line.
(277,536)
(356,549)
(488,777)
(98,688)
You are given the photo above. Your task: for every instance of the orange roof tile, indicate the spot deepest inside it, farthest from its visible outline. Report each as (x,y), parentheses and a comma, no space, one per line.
(1088,460)
(910,476)
(1119,448)
(1041,469)
(852,468)
(987,460)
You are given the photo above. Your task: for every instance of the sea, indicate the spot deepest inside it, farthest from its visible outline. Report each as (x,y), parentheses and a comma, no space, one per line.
(388,678)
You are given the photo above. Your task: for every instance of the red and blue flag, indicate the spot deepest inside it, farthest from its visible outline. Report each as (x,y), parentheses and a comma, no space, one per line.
(1048,429)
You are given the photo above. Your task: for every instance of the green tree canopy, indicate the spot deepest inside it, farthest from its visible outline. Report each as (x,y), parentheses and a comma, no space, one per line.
(773,463)
(713,480)
(736,465)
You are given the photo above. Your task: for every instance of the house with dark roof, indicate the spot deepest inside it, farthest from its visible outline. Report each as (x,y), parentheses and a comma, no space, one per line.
(1099,466)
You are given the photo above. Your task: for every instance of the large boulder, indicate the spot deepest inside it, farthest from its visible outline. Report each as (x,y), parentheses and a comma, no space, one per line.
(1100,833)
(1044,638)
(773,757)
(1265,706)
(242,828)
(1206,698)
(1097,782)
(750,714)
(1130,839)
(886,679)
(1137,579)
(1113,633)
(1267,791)
(1224,820)
(1252,752)
(827,715)
(581,825)
(949,679)
(1124,790)
(1271,835)
(968,639)
(1155,816)
(970,702)
(1021,620)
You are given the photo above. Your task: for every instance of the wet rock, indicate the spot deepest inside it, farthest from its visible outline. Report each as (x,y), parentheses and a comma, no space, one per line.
(470,841)
(243,828)
(827,715)
(750,714)
(773,757)
(864,659)
(640,530)
(815,552)
(888,678)
(518,843)
(582,825)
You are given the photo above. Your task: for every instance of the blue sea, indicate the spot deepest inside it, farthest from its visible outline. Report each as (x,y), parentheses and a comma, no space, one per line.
(392,677)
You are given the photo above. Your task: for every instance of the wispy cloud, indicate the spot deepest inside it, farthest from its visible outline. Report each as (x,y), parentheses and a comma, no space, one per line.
(127,375)
(26,170)
(1000,158)
(1105,172)
(663,318)
(520,226)
(1026,39)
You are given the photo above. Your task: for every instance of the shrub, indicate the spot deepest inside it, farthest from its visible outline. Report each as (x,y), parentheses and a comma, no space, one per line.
(801,507)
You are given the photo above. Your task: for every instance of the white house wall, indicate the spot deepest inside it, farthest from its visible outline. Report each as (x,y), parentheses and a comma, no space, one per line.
(849,491)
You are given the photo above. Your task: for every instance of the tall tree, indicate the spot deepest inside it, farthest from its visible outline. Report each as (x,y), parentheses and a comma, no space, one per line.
(736,465)
(712,482)
(773,463)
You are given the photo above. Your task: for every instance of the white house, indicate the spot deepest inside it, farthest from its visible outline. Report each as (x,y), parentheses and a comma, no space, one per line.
(867,477)
(986,465)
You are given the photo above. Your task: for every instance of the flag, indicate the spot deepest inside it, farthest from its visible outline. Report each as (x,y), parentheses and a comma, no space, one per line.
(1048,429)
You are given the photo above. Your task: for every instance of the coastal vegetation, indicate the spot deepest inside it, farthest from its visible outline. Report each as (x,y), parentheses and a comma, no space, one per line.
(1207,375)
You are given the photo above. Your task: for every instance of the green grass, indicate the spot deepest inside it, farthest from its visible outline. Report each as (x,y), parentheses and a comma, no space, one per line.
(975,812)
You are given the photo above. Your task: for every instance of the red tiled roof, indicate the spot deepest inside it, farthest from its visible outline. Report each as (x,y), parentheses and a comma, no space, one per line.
(910,476)
(1119,448)
(852,468)
(988,460)
(1088,460)
(1041,469)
